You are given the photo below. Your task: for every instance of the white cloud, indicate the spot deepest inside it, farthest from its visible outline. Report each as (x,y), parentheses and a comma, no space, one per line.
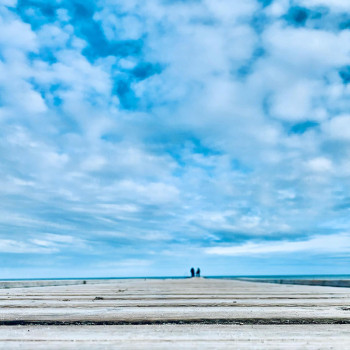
(294,102)
(300,49)
(18,247)
(16,35)
(216,145)
(52,36)
(225,10)
(10,3)
(278,8)
(320,164)
(131,263)
(153,193)
(93,163)
(336,5)
(62,14)
(64,239)
(329,244)
(338,127)
(116,28)
(46,244)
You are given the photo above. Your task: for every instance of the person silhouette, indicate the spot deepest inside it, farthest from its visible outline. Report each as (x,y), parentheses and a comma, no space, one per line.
(192,272)
(198,273)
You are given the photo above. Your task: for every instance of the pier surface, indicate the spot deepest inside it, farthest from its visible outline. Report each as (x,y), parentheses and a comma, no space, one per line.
(174,314)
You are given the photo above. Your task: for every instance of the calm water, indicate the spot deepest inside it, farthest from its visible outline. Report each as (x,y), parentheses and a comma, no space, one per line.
(306,277)
(296,277)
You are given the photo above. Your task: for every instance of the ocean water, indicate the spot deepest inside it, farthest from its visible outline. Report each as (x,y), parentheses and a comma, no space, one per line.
(291,277)
(280,277)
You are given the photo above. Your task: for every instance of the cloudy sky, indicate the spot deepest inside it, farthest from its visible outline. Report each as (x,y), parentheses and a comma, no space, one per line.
(140,138)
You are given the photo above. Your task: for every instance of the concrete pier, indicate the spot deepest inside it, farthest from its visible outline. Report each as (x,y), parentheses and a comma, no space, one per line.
(168,314)
(308,282)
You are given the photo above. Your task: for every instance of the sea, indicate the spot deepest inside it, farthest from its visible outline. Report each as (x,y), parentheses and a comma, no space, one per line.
(257,277)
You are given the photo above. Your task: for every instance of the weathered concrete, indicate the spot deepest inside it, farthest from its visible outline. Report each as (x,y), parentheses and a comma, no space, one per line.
(308,282)
(163,314)
(47,283)
(41,283)
(176,337)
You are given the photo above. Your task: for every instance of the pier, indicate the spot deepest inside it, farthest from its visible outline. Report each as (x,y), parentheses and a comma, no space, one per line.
(172,314)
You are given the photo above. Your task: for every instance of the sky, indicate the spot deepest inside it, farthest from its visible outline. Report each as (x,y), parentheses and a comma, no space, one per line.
(141,138)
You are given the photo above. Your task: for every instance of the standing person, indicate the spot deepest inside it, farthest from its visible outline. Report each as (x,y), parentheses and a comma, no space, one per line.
(192,272)
(198,273)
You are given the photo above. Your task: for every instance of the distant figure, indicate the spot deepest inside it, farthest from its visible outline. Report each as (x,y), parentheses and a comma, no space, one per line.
(198,273)
(192,272)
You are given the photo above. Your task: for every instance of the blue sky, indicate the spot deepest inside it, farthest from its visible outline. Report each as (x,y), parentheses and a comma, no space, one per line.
(140,138)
